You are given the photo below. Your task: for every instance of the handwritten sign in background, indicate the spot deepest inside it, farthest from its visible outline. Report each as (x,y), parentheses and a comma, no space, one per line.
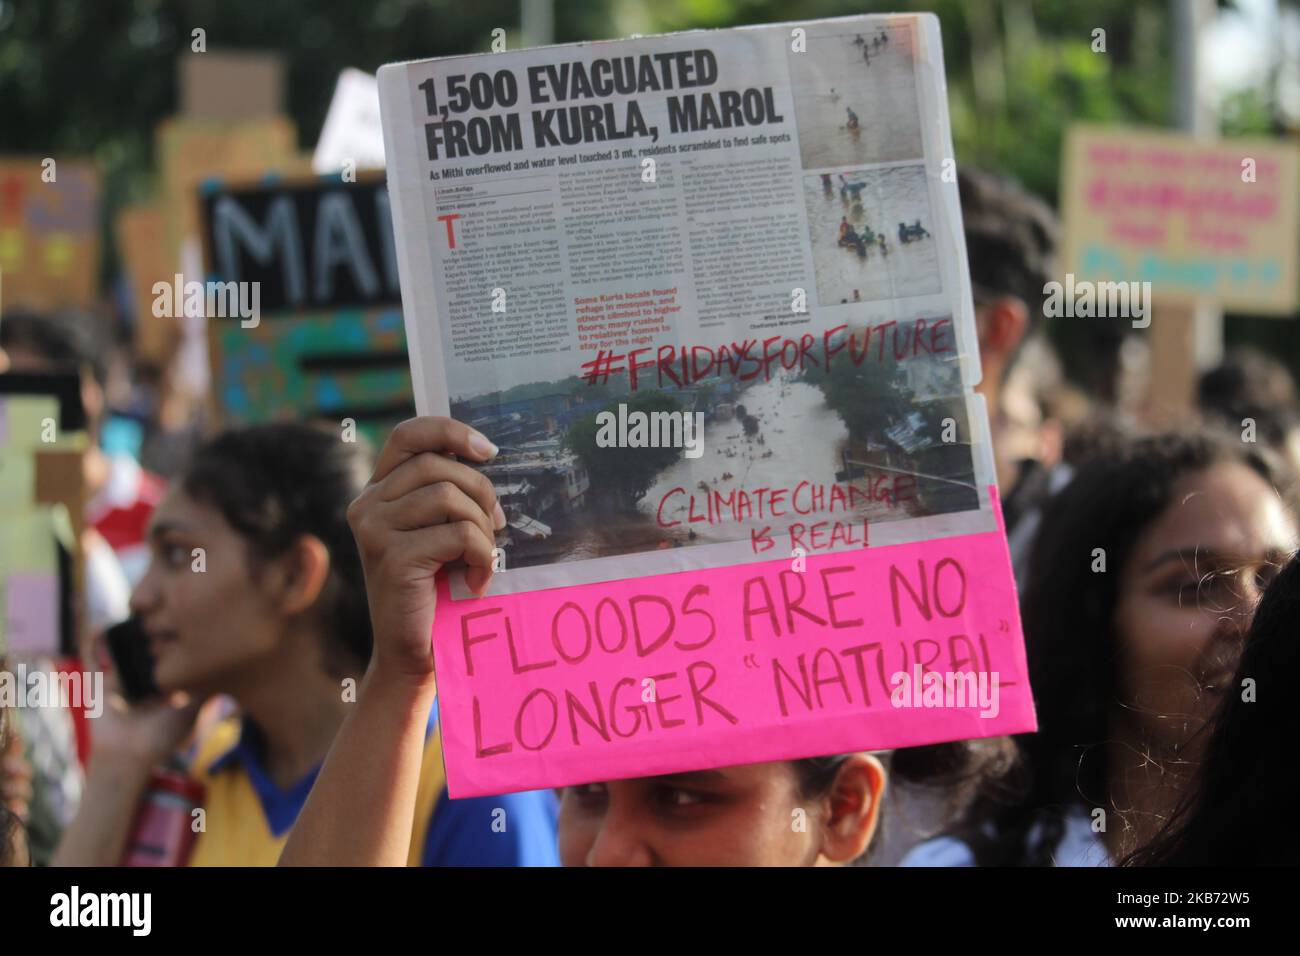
(1143,205)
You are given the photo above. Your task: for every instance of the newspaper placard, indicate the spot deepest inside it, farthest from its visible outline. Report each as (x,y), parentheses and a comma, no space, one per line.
(708,294)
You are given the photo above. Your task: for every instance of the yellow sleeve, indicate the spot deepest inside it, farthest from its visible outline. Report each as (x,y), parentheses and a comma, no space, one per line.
(432,780)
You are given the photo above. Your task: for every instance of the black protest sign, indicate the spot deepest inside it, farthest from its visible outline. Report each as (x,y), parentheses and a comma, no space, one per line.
(311,244)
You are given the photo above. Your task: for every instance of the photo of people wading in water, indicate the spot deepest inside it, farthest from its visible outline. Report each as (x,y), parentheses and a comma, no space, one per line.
(855,98)
(870,234)
(777,454)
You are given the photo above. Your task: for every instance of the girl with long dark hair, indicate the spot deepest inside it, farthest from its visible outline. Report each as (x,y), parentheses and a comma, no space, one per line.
(1144,576)
(1234,816)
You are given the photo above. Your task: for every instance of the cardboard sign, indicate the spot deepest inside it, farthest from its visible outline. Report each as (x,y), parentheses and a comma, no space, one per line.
(231,85)
(41,492)
(63,387)
(1213,220)
(328,340)
(192,150)
(146,258)
(42,442)
(708,294)
(352,131)
(49,233)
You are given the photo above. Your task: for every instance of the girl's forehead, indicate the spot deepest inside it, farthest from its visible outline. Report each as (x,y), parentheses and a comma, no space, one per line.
(742,774)
(178,511)
(1227,511)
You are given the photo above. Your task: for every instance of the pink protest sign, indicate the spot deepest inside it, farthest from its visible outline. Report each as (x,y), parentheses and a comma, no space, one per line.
(869,649)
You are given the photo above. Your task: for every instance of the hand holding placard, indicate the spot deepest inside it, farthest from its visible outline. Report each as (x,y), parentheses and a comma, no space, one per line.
(640,630)
(422,509)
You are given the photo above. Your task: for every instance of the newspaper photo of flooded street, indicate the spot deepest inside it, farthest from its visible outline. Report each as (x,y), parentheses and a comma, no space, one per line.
(871,234)
(795,441)
(798,457)
(855,98)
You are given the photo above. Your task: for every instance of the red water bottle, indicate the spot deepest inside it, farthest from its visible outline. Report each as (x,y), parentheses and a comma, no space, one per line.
(164,833)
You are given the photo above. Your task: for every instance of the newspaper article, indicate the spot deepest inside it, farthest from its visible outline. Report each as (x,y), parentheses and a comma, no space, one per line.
(707,292)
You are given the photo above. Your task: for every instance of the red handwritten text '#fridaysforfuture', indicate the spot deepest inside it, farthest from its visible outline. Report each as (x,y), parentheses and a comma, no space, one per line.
(751,358)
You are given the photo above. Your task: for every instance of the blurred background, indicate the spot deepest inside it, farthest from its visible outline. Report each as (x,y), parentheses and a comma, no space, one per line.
(95,79)
(122,121)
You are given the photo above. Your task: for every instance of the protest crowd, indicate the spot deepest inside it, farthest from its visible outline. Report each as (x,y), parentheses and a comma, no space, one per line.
(254,577)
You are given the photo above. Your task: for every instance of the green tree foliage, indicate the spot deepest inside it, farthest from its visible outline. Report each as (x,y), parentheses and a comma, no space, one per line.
(867,396)
(95,77)
(1018,71)
(573,386)
(620,477)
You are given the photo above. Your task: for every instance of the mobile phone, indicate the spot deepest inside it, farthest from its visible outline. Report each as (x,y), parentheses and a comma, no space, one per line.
(128,645)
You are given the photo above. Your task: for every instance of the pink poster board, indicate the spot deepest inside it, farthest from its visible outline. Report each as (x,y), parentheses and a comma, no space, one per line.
(636,678)
(32,613)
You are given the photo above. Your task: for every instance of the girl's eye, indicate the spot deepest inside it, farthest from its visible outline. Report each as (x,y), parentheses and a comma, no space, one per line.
(588,793)
(1186,592)
(1264,576)
(174,556)
(1201,592)
(676,797)
(1224,590)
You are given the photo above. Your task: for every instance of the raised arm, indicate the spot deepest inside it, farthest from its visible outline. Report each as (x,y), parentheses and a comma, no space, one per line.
(421,510)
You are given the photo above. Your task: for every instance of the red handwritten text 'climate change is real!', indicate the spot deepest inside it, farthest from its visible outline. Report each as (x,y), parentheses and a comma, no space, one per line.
(640,677)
